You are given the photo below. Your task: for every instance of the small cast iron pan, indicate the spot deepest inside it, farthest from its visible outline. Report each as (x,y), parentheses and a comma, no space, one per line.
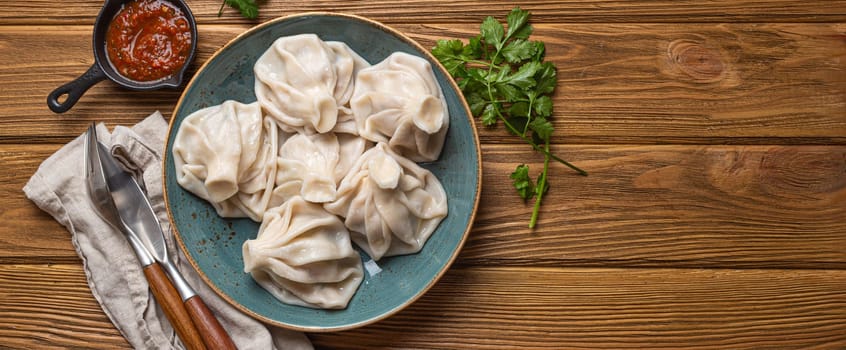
(102,69)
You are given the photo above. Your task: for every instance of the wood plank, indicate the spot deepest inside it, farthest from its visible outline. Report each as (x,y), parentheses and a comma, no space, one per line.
(31,232)
(653,83)
(468,11)
(498,308)
(51,307)
(738,206)
(698,206)
(506,308)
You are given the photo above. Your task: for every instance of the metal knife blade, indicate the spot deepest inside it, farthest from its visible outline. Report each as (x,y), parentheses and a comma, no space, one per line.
(136,212)
(133,207)
(99,191)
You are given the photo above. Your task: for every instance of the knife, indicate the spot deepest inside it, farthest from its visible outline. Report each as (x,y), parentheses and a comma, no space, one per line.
(162,289)
(136,213)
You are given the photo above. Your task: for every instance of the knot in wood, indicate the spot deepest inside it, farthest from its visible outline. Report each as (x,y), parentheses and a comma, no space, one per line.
(696,60)
(813,171)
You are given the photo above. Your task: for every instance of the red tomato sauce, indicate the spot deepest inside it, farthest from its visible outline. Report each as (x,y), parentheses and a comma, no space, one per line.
(148,40)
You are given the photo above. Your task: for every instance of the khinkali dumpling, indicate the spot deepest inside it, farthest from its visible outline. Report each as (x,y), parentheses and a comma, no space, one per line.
(390,204)
(302,82)
(303,256)
(226,154)
(345,71)
(311,166)
(346,122)
(398,101)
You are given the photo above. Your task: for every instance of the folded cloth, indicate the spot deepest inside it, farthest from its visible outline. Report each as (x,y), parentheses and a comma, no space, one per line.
(111,268)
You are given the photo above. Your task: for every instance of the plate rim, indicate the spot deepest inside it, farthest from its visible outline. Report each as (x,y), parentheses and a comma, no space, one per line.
(435,64)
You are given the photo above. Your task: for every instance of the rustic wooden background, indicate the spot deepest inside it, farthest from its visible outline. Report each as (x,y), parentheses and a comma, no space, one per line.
(714,216)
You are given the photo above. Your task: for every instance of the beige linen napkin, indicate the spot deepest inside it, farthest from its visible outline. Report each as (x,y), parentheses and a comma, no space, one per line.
(111,268)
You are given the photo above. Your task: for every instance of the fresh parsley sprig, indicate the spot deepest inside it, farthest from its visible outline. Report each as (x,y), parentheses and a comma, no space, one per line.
(248,8)
(504,77)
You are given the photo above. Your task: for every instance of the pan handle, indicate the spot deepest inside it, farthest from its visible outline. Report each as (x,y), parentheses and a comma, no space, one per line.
(74,89)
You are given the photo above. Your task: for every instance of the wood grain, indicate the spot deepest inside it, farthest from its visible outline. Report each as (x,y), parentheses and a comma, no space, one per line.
(716,206)
(35,233)
(616,309)
(736,206)
(463,11)
(171,303)
(713,217)
(618,83)
(214,335)
(507,308)
(50,307)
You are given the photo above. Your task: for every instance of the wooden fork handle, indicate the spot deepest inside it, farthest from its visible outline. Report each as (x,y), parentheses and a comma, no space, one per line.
(212,332)
(171,303)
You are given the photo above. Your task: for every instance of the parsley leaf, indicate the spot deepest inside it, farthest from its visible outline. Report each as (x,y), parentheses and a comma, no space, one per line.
(518,24)
(518,50)
(523,182)
(511,93)
(546,78)
(504,77)
(542,127)
(524,77)
(492,32)
(519,109)
(489,115)
(474,49)
(248,8)
(477,103)
(449,51)
(543,106)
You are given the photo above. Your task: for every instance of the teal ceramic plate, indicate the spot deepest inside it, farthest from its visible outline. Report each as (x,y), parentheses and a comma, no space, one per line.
(213,244)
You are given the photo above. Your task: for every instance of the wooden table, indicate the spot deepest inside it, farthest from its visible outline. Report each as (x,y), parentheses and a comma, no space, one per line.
(714,216)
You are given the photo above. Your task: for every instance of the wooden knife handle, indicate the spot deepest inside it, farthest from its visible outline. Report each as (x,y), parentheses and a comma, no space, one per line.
(212,332)
(171,303)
